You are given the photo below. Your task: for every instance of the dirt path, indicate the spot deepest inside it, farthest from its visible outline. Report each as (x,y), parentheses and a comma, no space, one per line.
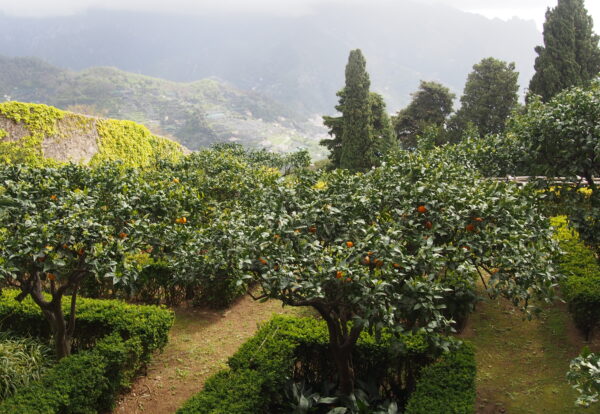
(200,343)
(522,365)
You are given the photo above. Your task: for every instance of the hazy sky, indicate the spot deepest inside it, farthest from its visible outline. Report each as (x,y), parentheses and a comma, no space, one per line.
(504,9)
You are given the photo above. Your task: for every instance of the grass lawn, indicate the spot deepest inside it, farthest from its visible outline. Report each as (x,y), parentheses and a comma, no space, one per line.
(522,365)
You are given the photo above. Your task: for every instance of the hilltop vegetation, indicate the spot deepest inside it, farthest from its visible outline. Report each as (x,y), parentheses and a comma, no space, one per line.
(196,114)
(39,134)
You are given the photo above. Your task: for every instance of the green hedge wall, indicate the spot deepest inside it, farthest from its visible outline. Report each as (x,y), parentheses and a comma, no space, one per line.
(258,372)
(114,341)
(581,288)
(447,386)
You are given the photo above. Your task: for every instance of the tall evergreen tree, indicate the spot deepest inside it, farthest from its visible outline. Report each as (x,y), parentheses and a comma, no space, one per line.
(570,55)
(489,97)
(430,107)
(363,131)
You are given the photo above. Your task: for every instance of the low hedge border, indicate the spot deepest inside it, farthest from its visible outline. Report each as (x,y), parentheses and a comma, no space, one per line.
(581,287)
(447,386)
(292,347)
(114,341)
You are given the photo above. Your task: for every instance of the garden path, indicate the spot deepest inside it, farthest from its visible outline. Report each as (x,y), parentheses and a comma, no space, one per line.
(200,343)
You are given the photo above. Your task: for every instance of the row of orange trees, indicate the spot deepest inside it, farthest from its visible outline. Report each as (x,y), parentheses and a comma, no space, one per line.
(389,249)
(116,231)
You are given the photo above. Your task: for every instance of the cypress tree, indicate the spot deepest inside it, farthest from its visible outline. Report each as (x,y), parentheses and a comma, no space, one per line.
(570,55)
(363,131)
(357,132)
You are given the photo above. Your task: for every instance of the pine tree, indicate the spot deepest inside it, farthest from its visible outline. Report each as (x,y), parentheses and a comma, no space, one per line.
(570,55)
(489,97)
(430,107)
(363,132)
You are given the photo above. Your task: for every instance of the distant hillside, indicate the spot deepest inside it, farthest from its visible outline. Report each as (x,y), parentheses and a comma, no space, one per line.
(38,134)
(298,61)
(197,114)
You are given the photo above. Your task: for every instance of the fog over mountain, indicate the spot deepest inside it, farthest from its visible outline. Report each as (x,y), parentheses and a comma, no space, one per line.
(297,60)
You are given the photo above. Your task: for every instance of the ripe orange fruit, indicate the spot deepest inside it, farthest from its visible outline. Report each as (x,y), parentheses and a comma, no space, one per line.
(339,274)
(262,261)
(53,197)
(366,260)
(51,276)
(470,227)
(122,235)
(312,229)
(479,219)
(65,247)
(378,262)
(428,225)
(396,266)
(422,209)
(349,244)
(80,252)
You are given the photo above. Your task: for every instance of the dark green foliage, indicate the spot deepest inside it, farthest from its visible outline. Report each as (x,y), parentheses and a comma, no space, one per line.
(226,392)
(95,319)
(258,372)
(115,340)
(489,97)
(561,136)
(430,106)
(570,55)
(87,382)
(363,132)
(581,288)
(356,134)
(447,386)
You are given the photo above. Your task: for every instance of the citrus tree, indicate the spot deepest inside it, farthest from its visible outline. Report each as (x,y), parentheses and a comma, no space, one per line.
(561,138)
(377,250)
(61,226)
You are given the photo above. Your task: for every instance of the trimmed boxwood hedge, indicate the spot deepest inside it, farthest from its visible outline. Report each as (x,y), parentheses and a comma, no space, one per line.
(447,386)
(113,341)
(294,347)
(581,288)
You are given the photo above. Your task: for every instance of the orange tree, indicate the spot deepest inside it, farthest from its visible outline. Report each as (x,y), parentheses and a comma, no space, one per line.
(62,225)
(377,250)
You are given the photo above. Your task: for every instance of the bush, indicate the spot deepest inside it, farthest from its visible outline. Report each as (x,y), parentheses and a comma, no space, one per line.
(447,386)
(581,288)
(22,360)
(82,383)
(296,348)
(95,319)
(114,341)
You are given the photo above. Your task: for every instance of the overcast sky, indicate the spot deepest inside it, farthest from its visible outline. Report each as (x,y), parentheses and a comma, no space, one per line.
(504,9)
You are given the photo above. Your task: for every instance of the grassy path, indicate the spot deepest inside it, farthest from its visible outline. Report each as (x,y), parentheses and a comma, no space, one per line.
(200,343)
(521,365)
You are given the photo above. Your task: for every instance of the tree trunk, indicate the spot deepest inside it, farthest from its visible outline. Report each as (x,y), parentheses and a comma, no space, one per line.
(343,361)
(60,331)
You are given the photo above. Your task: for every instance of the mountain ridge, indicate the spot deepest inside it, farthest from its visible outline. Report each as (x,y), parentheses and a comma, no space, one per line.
(297,61)
(197,114)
